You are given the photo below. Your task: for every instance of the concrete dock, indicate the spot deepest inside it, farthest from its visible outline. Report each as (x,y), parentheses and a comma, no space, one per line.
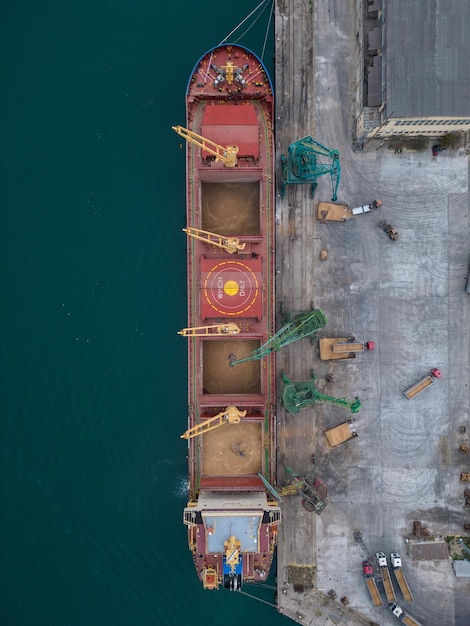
(409,297)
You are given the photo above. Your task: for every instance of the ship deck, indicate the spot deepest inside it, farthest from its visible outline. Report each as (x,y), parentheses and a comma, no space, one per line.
(232,202)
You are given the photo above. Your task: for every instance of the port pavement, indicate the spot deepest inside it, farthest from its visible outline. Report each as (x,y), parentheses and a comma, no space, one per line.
(407,296)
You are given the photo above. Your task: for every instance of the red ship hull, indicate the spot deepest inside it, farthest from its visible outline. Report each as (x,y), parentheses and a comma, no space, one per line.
(231,518)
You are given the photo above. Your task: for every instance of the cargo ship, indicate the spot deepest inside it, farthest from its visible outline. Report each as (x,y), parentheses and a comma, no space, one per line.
(231,517)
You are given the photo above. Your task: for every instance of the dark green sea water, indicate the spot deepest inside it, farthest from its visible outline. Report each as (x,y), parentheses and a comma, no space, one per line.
(93,290)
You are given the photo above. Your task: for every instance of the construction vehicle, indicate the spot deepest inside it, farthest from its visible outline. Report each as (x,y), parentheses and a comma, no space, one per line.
(387,581)
(422,384)
(390,230)
(367,208)
(400,614)
(466,495)
(339,434)
(306,324)
(368,573)
(395,561)
(465,477)
(228,328)
(301,165)
(342,348)
(229,244)
(226,155)
(231,415)
(300,395)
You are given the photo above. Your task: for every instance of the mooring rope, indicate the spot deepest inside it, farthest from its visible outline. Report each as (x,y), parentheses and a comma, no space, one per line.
(265,2)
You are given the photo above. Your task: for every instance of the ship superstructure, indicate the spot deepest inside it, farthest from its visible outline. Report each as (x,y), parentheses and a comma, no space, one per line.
(231,517)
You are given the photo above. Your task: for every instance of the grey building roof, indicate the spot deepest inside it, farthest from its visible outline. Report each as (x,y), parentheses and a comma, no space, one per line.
(426,55)
(461,569)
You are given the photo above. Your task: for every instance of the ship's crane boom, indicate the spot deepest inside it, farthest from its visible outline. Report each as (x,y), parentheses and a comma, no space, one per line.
(229,244)
(227,155)
(229,328)
(231,415)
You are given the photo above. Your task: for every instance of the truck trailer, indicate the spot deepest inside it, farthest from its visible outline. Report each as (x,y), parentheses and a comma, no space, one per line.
(342,347)
(387,581)
(368,573)
(395,561)
(422,384)
(339,434)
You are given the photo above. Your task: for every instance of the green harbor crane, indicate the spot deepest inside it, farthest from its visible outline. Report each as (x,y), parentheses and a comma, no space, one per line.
(302,165)
(303,325)
(300,395)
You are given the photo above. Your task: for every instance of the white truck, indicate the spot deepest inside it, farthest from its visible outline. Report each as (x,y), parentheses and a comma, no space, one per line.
(395,561)
(402,615)
(387,581)
(366,208)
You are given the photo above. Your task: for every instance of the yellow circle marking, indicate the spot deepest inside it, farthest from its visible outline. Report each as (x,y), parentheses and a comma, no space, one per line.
(231,288)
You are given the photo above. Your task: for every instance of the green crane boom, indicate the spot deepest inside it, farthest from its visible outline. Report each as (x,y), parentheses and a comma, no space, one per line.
(301,165)
(300,395)
(303,325)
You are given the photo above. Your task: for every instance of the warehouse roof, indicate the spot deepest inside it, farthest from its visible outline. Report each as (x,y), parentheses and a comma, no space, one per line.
(461,569)
(426,52)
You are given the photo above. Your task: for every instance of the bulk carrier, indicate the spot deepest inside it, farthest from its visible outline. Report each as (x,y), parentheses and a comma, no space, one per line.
(231,517)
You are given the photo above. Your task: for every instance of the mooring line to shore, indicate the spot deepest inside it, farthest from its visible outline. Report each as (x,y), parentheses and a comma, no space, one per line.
(256,598)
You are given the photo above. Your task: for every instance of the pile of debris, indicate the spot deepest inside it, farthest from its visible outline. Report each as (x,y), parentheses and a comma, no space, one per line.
(419,531)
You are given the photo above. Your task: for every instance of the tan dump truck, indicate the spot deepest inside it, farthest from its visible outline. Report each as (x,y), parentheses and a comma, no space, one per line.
(395,561)
(387,581)
(422,384)
(339,434)
(333,212)
(368,573)
(342,347)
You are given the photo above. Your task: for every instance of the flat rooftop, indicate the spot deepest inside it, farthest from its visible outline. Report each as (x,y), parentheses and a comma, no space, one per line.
(426,49)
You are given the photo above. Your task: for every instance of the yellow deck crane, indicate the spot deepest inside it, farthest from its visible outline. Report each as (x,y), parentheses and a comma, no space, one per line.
(229,328)
(231,415)
(229,244)
(226,155)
